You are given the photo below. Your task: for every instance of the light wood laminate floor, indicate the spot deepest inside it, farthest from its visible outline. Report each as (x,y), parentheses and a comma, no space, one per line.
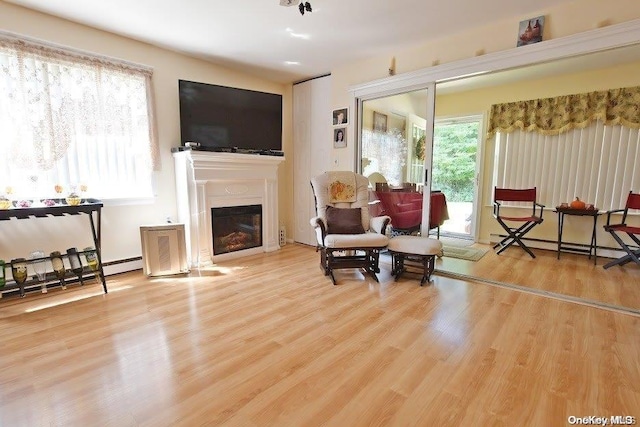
(573,275)
(268,341)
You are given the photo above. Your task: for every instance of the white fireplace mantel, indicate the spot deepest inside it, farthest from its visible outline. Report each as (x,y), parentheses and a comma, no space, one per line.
(206,180)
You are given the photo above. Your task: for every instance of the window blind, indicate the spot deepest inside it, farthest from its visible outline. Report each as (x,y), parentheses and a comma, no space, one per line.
(600,164)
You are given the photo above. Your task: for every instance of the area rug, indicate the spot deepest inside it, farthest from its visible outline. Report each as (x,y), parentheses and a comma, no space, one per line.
(452,241)
(466,253)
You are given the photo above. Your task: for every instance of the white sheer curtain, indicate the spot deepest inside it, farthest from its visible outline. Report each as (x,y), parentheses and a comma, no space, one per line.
(69,118)
(599,164)
(386,153)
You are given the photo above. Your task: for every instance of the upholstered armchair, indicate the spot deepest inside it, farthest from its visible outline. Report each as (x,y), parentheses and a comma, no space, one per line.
(405,209)
(347,236)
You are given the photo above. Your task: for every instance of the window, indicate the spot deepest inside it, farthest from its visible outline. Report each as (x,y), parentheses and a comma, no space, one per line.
(386,153)
(599,164)
(71,119)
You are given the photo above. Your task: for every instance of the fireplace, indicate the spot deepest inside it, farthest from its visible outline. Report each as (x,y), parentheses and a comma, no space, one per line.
(236,228)
(206,180)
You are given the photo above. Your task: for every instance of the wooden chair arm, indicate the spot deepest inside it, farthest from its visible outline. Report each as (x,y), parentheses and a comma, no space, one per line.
(612,212)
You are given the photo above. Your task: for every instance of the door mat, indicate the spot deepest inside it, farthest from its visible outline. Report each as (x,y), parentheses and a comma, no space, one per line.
(466,253)
(452,241)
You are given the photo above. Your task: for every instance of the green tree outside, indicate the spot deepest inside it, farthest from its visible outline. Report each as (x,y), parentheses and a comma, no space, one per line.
(454,160)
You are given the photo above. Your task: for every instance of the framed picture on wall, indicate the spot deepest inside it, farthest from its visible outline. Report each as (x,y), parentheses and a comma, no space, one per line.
(379,122)
(341,116)
(339,137)
(530,31)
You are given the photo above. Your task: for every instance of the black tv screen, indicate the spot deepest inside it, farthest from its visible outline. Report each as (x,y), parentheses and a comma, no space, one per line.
(220,118)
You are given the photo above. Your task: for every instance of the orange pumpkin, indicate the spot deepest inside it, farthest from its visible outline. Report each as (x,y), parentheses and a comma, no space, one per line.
(577,204)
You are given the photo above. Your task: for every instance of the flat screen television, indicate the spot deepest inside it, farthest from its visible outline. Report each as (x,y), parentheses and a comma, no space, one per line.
(221,118)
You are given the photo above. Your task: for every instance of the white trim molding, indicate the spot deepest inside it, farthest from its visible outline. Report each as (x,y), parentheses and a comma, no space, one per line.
(597,40)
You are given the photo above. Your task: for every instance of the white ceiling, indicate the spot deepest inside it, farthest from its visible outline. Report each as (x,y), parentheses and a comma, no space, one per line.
(260,36)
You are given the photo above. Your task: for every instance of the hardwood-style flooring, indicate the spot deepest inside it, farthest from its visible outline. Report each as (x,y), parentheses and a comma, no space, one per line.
(267,340)
(573,275)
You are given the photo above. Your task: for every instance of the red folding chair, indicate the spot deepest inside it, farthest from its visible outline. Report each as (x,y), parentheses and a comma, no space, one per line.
(633,251)
(515,234)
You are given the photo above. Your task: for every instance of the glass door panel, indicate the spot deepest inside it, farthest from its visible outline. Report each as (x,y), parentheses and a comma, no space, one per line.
(394,154)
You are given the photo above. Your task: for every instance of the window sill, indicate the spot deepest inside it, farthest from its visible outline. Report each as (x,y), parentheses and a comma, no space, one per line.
(129,201)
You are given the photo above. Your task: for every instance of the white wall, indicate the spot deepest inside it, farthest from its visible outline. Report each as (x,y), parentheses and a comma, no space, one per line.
(120,225)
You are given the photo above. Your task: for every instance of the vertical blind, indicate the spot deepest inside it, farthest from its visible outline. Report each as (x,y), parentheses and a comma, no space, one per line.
(600,164)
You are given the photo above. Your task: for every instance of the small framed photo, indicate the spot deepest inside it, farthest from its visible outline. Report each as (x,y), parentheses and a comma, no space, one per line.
(379,122)
(530,31)
(341,116)
(339,137)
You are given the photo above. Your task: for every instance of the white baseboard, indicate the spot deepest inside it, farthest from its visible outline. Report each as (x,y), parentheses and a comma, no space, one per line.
(122,267)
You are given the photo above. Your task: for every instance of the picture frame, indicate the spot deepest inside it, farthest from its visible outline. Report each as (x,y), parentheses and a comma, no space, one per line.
(340,116)
(340,137)
(379,122)
(530,31)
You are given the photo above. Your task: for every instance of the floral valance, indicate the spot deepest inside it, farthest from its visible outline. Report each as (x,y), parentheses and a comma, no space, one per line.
(553,116)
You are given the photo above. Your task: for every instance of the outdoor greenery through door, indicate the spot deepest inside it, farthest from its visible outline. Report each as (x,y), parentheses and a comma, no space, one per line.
(454,169)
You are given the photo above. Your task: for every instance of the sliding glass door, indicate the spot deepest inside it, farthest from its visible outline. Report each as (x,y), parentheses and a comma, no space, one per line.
(395,149)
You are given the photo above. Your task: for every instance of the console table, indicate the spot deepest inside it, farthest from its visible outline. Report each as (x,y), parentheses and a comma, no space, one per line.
(573,247)
(89,207)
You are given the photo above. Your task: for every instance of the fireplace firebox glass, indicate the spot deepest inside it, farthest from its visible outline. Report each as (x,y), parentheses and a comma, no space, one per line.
(236,228)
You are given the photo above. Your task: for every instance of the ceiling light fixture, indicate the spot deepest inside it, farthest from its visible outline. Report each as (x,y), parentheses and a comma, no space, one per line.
(303,7)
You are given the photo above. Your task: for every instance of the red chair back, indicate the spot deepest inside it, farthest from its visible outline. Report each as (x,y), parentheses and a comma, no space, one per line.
(511,195)
(633,202)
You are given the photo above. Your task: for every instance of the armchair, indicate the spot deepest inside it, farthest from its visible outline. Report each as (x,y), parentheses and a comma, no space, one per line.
(405,209)
(346,235)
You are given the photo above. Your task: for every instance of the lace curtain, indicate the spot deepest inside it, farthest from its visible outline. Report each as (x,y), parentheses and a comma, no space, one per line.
(386,153)
(552,116)
(56,103)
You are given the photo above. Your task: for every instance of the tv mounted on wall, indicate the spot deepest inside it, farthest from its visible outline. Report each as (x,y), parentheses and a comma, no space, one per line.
(221,118)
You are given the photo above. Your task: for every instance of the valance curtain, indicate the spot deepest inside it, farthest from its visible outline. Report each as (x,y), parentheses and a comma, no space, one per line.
(553,116)
(53,98)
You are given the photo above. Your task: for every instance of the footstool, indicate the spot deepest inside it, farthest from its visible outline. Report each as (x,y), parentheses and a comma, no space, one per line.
(415,248)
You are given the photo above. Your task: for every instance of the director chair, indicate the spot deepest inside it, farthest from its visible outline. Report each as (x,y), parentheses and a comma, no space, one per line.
(515,234)
(633,251)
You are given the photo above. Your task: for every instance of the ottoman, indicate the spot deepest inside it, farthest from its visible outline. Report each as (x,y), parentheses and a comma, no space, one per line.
(414,248)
